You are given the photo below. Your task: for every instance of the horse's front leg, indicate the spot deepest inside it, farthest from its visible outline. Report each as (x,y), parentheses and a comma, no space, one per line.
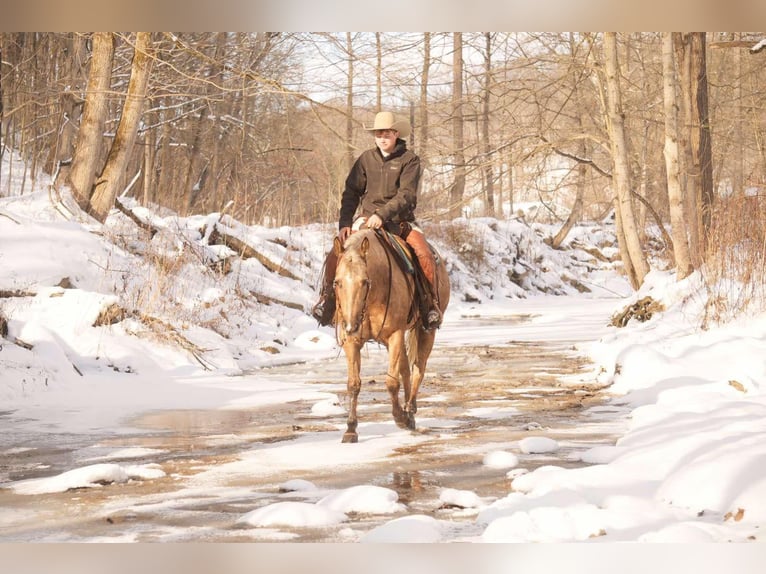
(353,362)
(398,367)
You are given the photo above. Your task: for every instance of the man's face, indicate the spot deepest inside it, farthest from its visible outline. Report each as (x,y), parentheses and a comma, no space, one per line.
(386,140)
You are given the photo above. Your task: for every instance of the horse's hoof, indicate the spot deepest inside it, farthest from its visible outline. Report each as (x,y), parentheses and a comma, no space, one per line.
(350,437)
(411,408)
(406,422)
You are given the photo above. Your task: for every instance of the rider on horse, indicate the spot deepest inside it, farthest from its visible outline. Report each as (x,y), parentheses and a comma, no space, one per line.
(383,185)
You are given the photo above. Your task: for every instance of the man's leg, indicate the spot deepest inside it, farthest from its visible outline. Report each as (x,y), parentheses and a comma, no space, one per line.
(324,310)
(417,241)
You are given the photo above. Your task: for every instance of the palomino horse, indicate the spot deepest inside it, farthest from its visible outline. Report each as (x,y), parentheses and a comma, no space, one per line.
(375,302)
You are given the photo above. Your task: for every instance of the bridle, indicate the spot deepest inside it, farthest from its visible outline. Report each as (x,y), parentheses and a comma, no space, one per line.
(368,286)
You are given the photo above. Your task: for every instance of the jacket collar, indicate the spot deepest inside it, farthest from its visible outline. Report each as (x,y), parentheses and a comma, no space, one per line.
(401,147)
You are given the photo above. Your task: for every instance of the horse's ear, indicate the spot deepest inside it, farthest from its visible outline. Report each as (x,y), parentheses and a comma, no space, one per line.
(364,247)
(337,246)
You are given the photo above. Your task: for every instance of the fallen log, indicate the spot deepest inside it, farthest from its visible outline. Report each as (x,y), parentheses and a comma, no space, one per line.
(220,237)
(145,225)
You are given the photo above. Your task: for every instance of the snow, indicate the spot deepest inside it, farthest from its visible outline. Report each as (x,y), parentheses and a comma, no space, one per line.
(538,445)
(364,499)
(90,476)
(416,528)
(302,514)
(460,498)
(501,459)
(689,466)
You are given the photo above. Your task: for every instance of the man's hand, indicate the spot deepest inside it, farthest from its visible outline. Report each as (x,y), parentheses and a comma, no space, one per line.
(374,222)
(343,234)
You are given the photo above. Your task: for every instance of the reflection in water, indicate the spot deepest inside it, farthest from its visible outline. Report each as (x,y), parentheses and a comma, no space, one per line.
(407,481)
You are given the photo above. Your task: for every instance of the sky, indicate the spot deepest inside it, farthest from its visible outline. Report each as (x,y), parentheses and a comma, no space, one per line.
(689,465)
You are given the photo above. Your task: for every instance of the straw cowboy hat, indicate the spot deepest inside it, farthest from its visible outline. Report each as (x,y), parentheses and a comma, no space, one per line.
(388,121)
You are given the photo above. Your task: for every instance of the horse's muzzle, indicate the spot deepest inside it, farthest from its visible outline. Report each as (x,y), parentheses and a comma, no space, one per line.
(352,328)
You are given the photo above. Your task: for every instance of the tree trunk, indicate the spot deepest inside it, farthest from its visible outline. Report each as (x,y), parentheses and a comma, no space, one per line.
(738,139)
(695,138)
(511,187)
(423,140)
(701,139)
(630,249)
(90,140)
(458,141)
(489,176)
(189,187)
(204,139)
(685,110)
(675,194)
(582,169)
(111,180)
(350,104)
(71,106)
(378,73)
(149,154)
(622,245)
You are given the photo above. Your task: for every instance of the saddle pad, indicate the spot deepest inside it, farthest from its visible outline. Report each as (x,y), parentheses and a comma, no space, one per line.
(401,250)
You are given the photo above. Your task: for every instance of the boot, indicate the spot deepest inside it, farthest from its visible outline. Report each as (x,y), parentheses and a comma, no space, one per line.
(430,314)
(324,310)
(433,319)
(428,302)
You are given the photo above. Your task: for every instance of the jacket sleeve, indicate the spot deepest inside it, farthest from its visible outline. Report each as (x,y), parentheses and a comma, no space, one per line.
(356,183)
(406,197)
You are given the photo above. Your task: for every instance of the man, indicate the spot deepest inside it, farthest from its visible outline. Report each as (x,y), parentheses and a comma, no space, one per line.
(383,186)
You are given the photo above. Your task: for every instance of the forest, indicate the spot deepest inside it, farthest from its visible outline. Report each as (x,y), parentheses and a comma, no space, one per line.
(664,132)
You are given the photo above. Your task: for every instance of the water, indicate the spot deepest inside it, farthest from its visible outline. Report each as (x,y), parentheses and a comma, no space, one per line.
(475,399)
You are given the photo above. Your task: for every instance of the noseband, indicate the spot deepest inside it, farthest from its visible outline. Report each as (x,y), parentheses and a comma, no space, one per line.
(360,318)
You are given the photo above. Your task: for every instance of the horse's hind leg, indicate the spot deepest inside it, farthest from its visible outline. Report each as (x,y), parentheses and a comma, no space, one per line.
(354,385)
(397,367)
(425,344)
(408,414)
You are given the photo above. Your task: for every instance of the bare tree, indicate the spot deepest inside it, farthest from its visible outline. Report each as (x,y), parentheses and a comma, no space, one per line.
(489,176)
(701,175)
(350,102)
(458,142)
(582,167)
(265,119)
(90,142)
(71,105)
(678,218)
(423,123)
(112,178)
(203,128)
(378,73)
(632,254)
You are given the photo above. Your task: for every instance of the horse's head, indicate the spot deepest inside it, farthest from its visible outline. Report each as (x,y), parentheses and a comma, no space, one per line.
(352,285)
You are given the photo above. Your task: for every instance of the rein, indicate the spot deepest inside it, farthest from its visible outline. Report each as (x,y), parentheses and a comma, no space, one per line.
(394,249)
(382,239)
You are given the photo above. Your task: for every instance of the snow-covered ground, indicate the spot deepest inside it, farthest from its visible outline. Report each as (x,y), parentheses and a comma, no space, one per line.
(691,466)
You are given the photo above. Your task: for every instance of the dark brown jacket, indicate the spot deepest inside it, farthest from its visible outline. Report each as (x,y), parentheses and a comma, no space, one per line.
(386,186)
